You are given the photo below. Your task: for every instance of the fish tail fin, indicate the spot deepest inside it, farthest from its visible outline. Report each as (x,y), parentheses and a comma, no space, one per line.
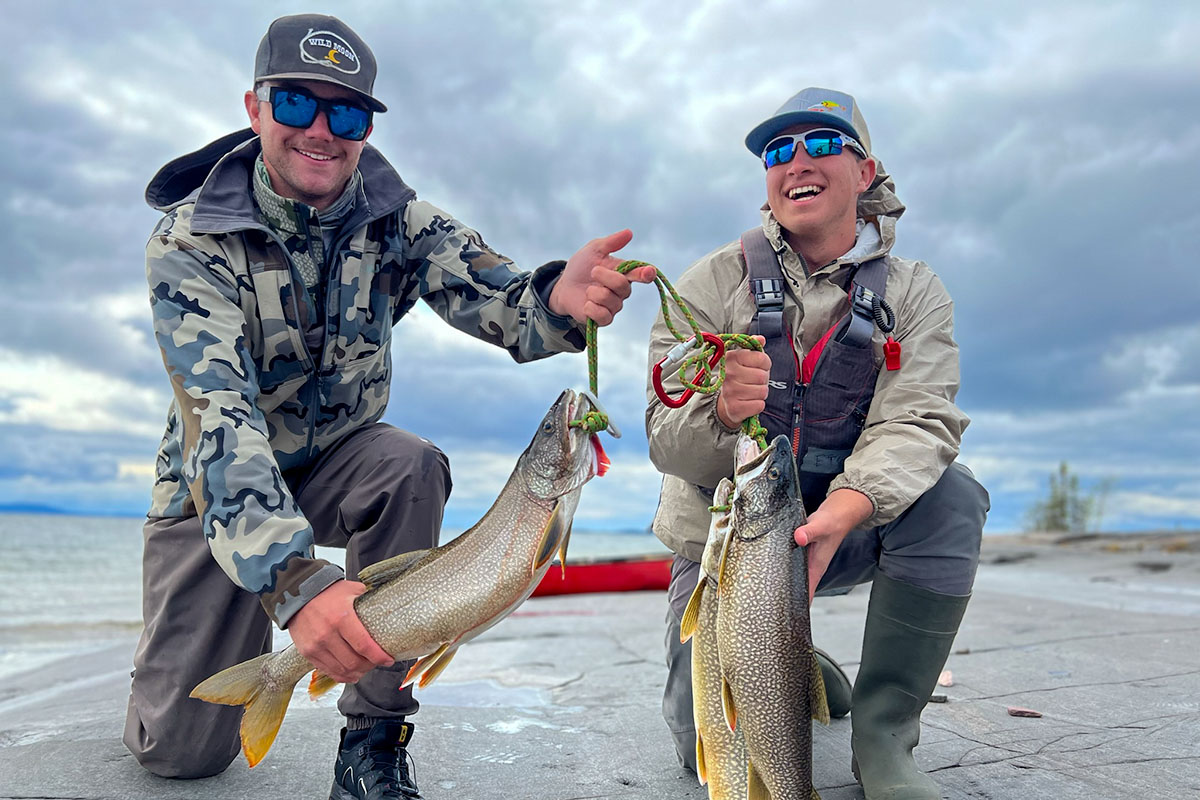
(244,685)
(320,684)
(818,699)
(755,788)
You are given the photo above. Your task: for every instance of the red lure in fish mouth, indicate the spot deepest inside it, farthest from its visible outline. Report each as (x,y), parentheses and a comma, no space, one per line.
(602,462)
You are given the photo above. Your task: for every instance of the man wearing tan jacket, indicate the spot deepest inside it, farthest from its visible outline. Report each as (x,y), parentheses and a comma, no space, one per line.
(860,370)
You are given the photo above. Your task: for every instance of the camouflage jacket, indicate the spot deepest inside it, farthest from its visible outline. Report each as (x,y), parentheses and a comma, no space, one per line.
(250,402)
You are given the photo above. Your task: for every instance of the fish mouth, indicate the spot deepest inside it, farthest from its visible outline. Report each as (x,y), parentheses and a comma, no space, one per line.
(750,457)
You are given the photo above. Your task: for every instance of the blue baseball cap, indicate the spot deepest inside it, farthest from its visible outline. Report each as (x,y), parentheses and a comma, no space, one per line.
(812,105)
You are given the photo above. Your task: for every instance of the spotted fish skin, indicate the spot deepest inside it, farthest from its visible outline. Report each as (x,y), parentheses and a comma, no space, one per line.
(721,761)
(772,686)
(425,604)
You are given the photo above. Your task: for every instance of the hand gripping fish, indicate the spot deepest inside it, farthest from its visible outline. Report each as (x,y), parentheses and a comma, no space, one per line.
(426,603)
(721,761)
(772,684)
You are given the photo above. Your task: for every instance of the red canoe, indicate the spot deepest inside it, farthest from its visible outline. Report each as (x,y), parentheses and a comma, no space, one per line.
(624,574)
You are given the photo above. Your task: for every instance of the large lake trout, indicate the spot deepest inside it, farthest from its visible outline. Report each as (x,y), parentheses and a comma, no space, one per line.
(721,762)
(773,686)
(426,603)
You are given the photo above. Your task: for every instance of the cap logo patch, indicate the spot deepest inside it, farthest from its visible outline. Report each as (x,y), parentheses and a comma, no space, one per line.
(329,50)
(827,105)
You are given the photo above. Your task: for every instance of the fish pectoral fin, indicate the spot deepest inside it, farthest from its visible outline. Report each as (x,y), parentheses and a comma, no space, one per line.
(422,664)
(727,705)
(723,560)
(814,795)
(755,788)
(562,551)
(435,669)
(701,766)
(552,534)
(375,575)
(320,684)
(691,614)
(818,699)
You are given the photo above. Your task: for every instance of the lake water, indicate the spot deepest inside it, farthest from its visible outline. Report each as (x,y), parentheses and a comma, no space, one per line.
(72,584)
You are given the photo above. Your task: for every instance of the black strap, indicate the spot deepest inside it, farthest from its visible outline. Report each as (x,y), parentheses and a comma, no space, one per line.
(766,284)
(868,284)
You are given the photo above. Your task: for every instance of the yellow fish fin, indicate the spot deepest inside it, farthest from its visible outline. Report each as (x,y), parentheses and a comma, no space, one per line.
(243,685)
(320,684)
(814,795)
(755,788)
(727,705)
(691,614)
(435,669)
(818,700)
(422,664)
(552,534)
(379,573)
(701,766)
(562,551)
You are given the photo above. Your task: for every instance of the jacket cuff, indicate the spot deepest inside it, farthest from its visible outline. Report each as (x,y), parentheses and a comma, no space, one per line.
(297,583)
(543,281)
(879,516)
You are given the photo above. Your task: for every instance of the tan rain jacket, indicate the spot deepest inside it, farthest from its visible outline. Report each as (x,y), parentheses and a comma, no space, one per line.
(913,429)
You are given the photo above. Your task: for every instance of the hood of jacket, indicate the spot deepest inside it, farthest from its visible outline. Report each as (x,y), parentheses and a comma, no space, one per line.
(217,179)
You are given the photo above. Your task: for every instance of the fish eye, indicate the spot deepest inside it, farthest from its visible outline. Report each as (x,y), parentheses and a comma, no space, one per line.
(773,473)
(548,427)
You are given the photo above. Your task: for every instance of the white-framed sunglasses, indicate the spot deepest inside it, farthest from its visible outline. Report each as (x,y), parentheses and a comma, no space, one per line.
(817,143)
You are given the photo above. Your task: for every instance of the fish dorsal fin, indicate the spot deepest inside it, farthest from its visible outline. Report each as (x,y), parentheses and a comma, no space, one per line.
(375,575)
(552,534)
(439,664)
(691,614)
(562,551)
(701,766)
(727,704)
(819,701)
(755,788)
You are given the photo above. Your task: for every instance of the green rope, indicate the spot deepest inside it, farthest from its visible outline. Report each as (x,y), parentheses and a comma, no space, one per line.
(694,372)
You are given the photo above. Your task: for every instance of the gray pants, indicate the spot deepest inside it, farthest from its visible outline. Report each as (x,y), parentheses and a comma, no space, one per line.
(934,544)
(378,493)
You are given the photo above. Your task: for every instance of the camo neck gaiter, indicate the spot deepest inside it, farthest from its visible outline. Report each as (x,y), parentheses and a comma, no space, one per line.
(300,225)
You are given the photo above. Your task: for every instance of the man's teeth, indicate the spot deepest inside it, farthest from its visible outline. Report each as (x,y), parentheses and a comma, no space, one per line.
(317,156)
(802,192)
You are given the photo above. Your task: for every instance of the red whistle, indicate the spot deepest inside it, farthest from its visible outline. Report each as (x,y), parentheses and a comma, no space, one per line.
(891,354)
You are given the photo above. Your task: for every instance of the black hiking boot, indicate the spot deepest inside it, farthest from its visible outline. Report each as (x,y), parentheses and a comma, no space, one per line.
(375,766)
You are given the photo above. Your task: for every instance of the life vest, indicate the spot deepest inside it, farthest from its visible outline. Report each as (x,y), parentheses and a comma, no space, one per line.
(819,403)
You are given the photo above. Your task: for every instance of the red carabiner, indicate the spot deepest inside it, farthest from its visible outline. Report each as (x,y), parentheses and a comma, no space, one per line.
(677,355)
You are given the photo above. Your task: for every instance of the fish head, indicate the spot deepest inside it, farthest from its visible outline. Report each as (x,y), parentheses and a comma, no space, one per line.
(765,485)
(562,457)
(718,530)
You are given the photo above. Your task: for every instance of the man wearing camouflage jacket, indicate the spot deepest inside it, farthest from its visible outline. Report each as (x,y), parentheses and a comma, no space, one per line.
(886,500)
(276,274)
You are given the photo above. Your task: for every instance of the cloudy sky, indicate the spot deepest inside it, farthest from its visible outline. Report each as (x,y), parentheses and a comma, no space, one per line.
(1045,153)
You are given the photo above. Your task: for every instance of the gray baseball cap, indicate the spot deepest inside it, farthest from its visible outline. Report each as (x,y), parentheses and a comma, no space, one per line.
(821,106)
(316,47)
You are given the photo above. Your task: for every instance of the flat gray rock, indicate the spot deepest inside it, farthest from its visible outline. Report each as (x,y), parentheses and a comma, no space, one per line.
(562,700)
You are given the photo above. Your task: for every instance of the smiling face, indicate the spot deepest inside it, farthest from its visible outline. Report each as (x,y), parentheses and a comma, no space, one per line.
(306,164)
(815,199)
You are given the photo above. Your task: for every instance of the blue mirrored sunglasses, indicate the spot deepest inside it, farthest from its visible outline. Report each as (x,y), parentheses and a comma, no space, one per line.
(297,108)
(817,143)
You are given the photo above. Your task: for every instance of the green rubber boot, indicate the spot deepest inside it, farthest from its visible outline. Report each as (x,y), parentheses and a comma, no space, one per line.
(907,639)
(837,685)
